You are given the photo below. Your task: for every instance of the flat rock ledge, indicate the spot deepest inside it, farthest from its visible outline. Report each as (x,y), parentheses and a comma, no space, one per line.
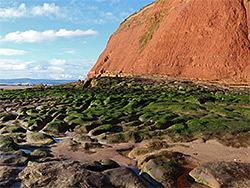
(223,174)
(77,174)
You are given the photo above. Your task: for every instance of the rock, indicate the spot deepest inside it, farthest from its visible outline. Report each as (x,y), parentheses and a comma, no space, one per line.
(164,172)
(81,146)
(136,152)
(82,138)
(75,174)
(33,124)
(40,153)
(39,138)
(8,175)
(102,165)
(84,127)
(175,157)
(56,127)
(7,144)
(7,116)
(222,174)
(12,129)
(104,129)
(151,146)
(124,177)
(18,158)
(157,144)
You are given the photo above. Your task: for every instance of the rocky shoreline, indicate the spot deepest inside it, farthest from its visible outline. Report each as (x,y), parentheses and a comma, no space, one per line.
(125,132)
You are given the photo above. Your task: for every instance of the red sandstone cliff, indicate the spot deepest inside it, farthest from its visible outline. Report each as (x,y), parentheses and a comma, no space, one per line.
(196,39)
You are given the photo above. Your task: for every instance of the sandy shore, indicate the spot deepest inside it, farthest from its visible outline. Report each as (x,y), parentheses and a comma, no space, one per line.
(198,152)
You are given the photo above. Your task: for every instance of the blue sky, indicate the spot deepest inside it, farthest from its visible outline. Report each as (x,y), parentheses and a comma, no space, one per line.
(57,39)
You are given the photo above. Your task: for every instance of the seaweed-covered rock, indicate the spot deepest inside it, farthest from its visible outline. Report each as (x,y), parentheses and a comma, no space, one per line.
(105,128)
(84,127)
(56,127)
(40,153)
(34,124)
(82,138)
(7,144)
(39,138)
(222,174)
(7,116)
(157,144)
(12,129)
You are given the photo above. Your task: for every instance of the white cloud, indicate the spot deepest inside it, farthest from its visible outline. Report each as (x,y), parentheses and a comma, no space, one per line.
(57,62)
(13,12)
(32,36)
(46,9)
(51,69)
(72,52)
(66,76)
(22,11)
(8,64)
(56,68)
(11,52)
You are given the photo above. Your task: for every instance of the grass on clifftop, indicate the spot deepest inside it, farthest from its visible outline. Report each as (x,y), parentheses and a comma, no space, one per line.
(154,24)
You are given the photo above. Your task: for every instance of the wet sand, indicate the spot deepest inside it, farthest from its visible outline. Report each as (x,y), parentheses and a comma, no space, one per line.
(198,152)
(15,87)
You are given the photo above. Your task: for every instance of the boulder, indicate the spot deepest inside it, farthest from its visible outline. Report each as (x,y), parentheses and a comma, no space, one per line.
(163,172)
(175,157)
(222,174)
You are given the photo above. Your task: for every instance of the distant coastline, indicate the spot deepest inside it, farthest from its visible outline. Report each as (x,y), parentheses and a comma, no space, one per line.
(30,82)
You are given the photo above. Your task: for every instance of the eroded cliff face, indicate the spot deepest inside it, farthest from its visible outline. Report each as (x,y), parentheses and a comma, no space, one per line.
(196,39)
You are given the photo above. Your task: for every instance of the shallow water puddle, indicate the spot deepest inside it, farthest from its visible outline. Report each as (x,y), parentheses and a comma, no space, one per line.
(27,151)
(16,185)
(137,171)
(7,122)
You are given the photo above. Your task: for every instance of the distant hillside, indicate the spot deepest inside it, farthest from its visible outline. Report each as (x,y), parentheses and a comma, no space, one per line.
(194,39)
(28,81)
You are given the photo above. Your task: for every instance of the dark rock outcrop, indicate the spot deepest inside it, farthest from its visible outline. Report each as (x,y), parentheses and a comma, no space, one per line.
(18,158)
(8,175)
